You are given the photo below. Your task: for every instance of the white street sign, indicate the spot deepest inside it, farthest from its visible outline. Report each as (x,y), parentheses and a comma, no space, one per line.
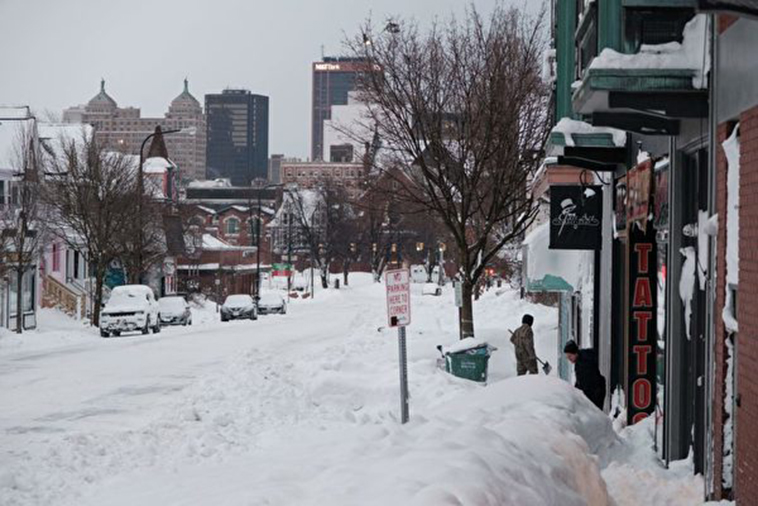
(398,284)
(458,288)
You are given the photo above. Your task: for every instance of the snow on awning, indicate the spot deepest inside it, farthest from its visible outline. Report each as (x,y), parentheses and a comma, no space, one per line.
(552,270)
(690,54)
(573,133)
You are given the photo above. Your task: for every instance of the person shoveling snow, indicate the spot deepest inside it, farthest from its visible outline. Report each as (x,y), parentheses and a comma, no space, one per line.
(587,373)
(523,344)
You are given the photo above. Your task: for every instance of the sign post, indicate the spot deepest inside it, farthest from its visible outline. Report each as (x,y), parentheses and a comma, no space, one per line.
(398,285)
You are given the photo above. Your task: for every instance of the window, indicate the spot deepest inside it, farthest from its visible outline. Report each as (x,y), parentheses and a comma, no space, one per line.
(56,258)
(232,226)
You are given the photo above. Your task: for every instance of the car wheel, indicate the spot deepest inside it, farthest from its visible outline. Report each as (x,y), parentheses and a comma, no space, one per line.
(103,333)
(116,333)
(157,328)
(146,328)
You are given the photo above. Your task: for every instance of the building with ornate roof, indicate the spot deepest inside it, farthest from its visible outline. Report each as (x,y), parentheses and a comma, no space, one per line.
(124,128)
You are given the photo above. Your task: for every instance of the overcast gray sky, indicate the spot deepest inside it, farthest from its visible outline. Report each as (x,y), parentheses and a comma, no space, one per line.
(54,52)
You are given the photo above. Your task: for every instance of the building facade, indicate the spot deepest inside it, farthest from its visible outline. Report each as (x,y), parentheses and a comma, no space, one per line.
(656,103)
(124,128)
(308,175)
(237,136)
(333,79)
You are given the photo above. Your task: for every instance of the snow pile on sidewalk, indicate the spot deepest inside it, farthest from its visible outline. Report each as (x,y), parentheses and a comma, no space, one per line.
(528,440)
(635,475)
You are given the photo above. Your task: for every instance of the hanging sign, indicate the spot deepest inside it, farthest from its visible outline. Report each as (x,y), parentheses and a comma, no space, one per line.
(576,216)
(641,323)
(638,193)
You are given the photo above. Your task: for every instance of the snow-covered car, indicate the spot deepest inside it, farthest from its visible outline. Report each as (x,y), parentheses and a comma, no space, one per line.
(130,308)
(431,289)
(174,310)
(239,306)
(270,303)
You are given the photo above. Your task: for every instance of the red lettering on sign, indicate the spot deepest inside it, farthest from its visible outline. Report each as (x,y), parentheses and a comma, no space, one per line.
(639,417)
(643,249)
(642,351)
(641,393)
(643,297)
(642,318)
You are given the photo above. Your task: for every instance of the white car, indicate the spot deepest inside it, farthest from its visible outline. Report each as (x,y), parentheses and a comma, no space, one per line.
(130,308)
(270,303)
(174,310)
(239,306)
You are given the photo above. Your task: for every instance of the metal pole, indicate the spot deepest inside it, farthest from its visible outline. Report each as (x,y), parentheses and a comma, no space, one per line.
(404,415)
(289,254)
(258,251)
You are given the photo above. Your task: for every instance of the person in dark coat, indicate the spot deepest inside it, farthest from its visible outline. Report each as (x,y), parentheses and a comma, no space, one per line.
(523,344)
(587,373)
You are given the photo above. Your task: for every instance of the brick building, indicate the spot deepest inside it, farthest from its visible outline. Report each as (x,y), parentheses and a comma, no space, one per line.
(308,175)
(125,128)
(736,344)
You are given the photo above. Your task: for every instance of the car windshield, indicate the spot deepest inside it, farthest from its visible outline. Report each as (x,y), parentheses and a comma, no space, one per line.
(173,304)
(126,297)
(238,300)
(271,298)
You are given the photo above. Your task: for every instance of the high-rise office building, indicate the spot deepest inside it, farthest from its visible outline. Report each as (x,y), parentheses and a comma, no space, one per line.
(333,79)
(237,145)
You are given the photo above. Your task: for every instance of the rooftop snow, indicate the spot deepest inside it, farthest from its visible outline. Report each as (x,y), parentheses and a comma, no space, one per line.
(157,165)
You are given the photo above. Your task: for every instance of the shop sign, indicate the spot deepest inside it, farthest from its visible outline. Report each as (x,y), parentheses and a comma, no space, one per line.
(661,198)
(638,182)
(641,324)
(576,217)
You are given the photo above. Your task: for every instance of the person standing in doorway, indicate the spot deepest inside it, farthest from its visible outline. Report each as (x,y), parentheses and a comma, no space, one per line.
(523,344)
(587,373)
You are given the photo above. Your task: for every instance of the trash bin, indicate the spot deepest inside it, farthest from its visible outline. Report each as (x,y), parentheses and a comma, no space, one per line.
(470,363)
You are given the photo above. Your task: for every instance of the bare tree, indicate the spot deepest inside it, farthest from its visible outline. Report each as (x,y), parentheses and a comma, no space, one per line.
(462,114)
(324,218)
(22,224)
(90,194)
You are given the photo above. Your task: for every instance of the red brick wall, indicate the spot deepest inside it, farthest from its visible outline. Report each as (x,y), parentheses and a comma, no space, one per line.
(747,313)
(725,21)
(720,370)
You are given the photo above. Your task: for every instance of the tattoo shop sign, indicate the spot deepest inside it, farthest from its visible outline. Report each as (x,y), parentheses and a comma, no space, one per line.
(576,216)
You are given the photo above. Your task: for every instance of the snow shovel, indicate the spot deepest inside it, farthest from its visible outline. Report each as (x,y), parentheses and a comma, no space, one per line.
(545,366)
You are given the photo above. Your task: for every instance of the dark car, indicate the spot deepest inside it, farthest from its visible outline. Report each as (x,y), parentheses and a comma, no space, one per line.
(239,306)
(174,310)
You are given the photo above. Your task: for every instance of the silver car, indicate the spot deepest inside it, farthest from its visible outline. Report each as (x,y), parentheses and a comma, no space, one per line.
(174,310)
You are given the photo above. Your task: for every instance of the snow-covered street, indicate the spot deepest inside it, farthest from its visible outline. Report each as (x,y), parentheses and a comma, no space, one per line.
(303,409)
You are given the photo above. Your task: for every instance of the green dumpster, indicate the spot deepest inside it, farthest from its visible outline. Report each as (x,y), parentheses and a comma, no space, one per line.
(469,364)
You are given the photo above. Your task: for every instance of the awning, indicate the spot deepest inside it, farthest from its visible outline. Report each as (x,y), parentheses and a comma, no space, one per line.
(660,81)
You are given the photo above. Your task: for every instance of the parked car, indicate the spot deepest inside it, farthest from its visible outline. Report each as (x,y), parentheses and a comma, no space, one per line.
(270,303)
(130,308)
(239,306)
(174,310)
(431,289)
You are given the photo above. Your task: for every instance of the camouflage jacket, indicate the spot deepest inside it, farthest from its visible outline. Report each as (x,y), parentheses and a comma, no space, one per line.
(523,342)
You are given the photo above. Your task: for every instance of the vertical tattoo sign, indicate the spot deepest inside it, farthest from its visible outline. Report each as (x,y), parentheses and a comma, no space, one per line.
(642,323)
